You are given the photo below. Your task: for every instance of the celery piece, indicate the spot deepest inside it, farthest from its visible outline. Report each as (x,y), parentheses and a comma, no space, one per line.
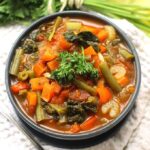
(16,62)
(55,26)
(84,86)
(40,114)
(127,55)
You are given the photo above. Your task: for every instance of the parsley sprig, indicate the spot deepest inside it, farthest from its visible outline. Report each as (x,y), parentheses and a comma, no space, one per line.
(72,65)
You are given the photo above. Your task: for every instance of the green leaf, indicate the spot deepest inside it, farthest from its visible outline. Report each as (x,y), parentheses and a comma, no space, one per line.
(84,39)
(72,65)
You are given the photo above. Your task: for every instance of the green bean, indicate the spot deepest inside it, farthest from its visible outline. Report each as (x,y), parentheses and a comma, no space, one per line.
(23,75)
(109,77)
(127,55)
(56,25)
(84,86)
(40,114)
(16,62)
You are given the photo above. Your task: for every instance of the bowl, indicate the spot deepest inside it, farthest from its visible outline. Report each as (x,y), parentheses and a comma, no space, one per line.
(88,134)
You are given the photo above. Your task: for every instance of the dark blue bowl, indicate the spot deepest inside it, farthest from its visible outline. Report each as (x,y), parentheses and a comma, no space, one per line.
(94,132)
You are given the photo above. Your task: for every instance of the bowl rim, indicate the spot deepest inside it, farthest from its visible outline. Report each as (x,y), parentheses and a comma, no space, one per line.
(90,133)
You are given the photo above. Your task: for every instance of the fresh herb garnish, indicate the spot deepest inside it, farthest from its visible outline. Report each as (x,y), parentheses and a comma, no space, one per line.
(72,65)
(84,39)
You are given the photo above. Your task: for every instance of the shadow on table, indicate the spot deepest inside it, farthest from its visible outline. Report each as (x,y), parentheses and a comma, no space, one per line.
(77,144)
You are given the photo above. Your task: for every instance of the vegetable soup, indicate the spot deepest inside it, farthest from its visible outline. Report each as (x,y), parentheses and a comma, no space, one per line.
(72,75)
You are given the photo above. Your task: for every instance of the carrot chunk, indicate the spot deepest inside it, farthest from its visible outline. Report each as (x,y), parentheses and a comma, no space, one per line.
(102,35)
(123,81)
(96,61)
(102,48)
(47,92)
(94,30)
(32,102)
(57,87)
(49,55)
(38,83)
(63,43)
(75,128)
(89,51)
(104,93)
(89,123)
(39,68)
(52,65)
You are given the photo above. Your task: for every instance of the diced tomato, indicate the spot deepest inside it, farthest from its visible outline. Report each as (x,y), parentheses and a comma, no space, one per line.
(61,98)
(19,86)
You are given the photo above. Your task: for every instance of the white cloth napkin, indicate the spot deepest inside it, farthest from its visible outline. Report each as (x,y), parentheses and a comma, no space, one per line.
(134,133)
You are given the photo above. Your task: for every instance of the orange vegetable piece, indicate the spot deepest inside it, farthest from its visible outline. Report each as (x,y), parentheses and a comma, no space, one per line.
(19,86)
(49,55)
(32,101)
(38,83)
(45,45)
(102,48)
(123,81)
(39,68)
(52,65)
(47,92)
(89,51)
(57,87)
(89,123)
(96,61)
(61,97)
(100,84)
(102,35)
(94,30)
(104,93)
(75,128)
(63,43)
